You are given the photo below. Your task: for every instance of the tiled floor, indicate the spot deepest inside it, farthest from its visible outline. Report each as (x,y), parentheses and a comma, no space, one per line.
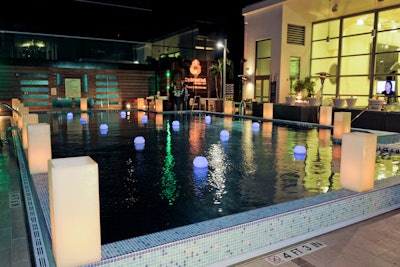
(14,246)
(372,243)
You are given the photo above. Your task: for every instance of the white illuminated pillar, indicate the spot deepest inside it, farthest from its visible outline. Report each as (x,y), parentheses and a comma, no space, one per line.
(268,111)
(159,105)
(325,115)
(74,210)
(28,118)
(22,111)
(357,163)
(140,103)
(341,124)
(39,147)
(228,107)
(83,103)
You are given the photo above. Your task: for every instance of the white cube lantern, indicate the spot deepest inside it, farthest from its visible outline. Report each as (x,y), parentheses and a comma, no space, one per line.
(140,103)
(357,163)
(74,210)
(228,107)
(39,147)
(83,103)
(27,118)
(159,105)
(341,124)
(325,115)
(268,111)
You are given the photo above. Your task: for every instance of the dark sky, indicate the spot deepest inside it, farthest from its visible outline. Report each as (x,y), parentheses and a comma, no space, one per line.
(130,20)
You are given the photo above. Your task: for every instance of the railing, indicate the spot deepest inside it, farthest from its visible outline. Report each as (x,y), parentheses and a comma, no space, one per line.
(10,108)
(242,108)
(359,114)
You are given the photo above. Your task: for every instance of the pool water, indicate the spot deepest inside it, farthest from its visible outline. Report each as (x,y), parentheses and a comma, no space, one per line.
(156,187)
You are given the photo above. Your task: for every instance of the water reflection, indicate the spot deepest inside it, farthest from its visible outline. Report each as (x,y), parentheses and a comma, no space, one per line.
(251,169)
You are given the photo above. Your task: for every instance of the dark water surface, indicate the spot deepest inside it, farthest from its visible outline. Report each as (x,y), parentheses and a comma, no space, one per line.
(156,188)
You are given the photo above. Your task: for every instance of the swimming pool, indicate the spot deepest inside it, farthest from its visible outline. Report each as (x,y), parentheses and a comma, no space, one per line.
(157,188)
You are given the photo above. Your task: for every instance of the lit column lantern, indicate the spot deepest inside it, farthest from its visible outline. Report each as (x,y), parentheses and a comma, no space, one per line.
(39,147)
(341,124)
(74,210)
(357,163)
(28,118)
(268,111)
(325,115)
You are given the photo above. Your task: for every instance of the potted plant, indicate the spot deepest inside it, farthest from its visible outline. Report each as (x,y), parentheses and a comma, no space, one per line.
(339,102)
(216,72)
(304,87)
(351,102)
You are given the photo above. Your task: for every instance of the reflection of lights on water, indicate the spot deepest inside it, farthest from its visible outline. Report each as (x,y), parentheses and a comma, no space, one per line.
(217,175)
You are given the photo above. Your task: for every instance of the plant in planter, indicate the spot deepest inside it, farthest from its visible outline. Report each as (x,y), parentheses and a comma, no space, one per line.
(339,102)
(304,87)
(216,72)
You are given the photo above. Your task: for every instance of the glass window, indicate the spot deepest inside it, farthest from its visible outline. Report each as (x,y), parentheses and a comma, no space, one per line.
(359,44)
(358,24)
(355,65)
(324,29)
(263,64)
(325,49)
(389,19)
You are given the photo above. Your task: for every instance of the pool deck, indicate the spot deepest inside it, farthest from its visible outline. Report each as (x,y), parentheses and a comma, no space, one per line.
(370,242)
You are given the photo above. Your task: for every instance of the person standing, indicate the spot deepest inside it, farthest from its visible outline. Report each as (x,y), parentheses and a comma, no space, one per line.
(178,96)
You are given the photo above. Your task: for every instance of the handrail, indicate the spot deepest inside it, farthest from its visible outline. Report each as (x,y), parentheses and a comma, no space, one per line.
(359,114)
(242,105)
(11,108)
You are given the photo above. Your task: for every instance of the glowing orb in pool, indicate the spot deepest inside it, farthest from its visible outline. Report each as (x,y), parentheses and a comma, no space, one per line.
(70,115)
(175,124)
(144,118)
(139,140)
(200,162)
(299,150)
(103,126)
(255,125)
(82,120)
(123,114)
(224,133)
(208,119)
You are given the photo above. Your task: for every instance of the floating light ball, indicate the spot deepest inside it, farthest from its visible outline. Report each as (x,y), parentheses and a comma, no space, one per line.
(70,115)
(123,114)
(200,162)
(145,118)
(82,120)
(224,133)
(139,142)
(103,126)
(208,119)
(175,124)
(255,126)
(299,150)
(103,131)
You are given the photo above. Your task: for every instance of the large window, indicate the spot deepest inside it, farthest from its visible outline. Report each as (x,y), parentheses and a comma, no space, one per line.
(356,51)
(263,70)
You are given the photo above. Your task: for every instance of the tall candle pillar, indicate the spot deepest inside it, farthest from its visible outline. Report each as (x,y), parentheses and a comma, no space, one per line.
(268,111)
(325,115)
(28,118)
(228,107)
(83,103)
(140,103)
(39,147)
(341,124)
(74,210)
(159,105)
(357,163)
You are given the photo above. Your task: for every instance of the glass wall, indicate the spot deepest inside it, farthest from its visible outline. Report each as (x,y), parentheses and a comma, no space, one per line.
(357,51)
